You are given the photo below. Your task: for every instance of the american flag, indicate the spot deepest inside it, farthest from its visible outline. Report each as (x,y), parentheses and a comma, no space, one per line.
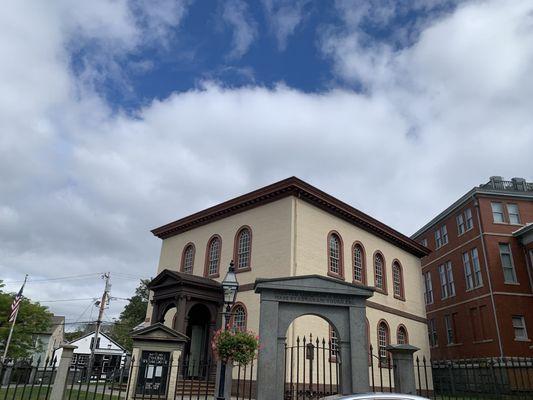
(16,304)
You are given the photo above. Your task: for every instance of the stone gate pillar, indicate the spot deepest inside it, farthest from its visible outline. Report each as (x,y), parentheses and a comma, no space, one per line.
(342,304)
(404,367)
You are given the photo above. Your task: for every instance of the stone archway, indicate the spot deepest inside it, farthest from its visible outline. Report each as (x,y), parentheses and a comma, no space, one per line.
(342,304)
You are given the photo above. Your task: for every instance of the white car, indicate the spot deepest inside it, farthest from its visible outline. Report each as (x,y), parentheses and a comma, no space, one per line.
(375,396)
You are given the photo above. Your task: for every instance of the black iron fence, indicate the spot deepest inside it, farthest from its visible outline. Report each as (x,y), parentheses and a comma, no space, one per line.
(27,379)
(311,368)
(381,371)
(496,378)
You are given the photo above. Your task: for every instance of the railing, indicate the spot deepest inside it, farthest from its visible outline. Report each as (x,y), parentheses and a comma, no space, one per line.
(20,379)
(381,372)
(517,186)
(311,369)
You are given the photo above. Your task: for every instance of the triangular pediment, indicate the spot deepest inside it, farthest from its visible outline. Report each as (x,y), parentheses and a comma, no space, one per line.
(158,332)
(168,277)
(313,284)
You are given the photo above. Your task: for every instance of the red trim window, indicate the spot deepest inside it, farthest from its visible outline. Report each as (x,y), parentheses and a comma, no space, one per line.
(213,256)
(401,335)
(383,341)
(333,344)
(335,261)
(243,248)
(359,273)
(187,259)
(380,281)
(397,280)
(239,318)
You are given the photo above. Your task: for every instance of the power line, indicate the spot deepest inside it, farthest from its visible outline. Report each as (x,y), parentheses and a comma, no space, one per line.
(59,300)
(59,278)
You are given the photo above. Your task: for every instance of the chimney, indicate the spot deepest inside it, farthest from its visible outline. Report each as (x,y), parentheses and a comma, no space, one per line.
(496,182)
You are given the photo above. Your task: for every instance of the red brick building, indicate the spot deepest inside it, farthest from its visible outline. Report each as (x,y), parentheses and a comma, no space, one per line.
(479,275)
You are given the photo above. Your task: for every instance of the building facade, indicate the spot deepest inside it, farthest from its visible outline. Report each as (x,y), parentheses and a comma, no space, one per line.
(286,229)
(48,342)
(478,276)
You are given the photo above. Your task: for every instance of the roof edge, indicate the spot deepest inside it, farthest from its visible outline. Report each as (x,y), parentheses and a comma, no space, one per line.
(305,191)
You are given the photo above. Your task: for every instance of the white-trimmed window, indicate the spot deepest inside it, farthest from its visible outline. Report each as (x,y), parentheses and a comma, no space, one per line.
(497,212)
(468,219)
(213,256)
(358,264)
(473,276)
(397,279)
(447,284)
(244,243)
(514,215)
(432,333)
(333,342)
(188,259)
(424,242)
(519,327)
(383,341)
(239,318)
(506,257)
(379,280)
(401,335)
(441,236)
(448,323)
(334,254)
(461,227)
(428,294)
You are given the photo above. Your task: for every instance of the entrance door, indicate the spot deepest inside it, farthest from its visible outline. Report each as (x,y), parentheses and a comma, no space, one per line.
(198,318)
(197,350)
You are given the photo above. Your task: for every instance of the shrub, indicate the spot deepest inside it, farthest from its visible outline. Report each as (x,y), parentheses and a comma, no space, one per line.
(237,346)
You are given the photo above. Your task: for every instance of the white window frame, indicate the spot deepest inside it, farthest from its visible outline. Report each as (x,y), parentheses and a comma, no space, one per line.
(450,334)
(441,237)
(469,221)
(499,212)
(513,213)
(443,282)
(461,226)
(469,276)
(428,294)
(511,267)
(432,333)
(449,276)
(522,326)
(478,277)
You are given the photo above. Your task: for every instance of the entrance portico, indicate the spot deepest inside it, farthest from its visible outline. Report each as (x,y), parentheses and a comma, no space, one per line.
(198,304)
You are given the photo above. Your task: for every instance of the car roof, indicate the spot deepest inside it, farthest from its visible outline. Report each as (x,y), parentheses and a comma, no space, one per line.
(375,395)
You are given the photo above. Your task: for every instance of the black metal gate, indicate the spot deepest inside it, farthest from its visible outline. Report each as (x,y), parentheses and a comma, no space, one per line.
(312,368)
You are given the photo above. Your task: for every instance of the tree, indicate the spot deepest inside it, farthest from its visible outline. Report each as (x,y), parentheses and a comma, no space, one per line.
(133,314)
(32,319)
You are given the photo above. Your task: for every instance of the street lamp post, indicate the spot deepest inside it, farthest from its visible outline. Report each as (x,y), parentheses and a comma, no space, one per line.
(230,287)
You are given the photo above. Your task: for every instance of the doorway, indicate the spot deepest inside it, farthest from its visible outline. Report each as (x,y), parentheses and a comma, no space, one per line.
(198,332)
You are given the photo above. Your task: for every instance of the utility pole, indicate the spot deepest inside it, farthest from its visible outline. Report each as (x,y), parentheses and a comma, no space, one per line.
(104,300)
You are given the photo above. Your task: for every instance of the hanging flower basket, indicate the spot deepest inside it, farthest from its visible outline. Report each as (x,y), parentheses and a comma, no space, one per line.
(239,346)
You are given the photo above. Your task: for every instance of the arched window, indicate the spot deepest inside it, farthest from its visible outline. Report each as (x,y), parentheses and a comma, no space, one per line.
(213,256)
(397,280)
(335,267)
(359,273)
(379,272)
(243,248)
(333,344)
(401,335)
(239,318)
(187,259)
(383,341)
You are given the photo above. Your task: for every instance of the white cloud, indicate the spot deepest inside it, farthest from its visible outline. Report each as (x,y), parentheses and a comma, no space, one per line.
(81,186)
(284,17)
(236,14)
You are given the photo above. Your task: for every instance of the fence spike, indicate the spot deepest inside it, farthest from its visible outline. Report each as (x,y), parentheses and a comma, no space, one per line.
(39,361)
(47,362)
(55,360)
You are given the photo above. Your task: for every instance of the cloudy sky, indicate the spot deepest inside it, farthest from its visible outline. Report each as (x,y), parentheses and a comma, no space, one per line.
(119,116)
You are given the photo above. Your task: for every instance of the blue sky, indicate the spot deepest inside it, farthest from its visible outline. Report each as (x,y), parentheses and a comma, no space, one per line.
(119,116)
(256,47)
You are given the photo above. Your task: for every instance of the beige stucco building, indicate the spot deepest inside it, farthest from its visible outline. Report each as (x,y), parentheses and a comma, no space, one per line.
(286,229)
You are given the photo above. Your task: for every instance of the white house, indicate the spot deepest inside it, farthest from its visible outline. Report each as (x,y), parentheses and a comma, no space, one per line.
(108,353)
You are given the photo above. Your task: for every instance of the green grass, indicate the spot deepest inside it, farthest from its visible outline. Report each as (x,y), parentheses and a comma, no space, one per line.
(74,394)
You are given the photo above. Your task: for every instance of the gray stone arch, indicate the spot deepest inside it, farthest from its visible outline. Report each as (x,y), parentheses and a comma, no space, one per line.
(282,300)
